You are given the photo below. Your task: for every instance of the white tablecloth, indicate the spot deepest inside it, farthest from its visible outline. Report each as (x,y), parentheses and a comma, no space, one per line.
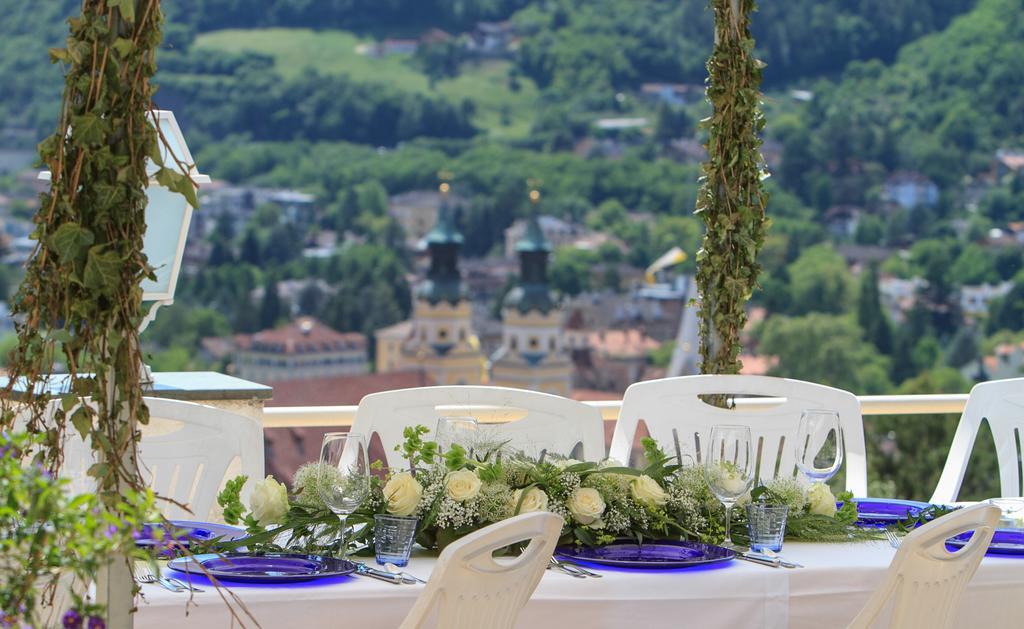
(827,593)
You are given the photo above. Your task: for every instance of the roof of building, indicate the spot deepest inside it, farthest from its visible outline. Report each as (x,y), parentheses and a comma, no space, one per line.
(533,237)
(288,448)
(400,330)
(626,343)
(304,335)
(1012,159)
(444,232)
(343,390)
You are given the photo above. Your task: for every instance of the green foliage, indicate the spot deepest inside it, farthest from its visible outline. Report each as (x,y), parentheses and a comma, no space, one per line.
(230,499)
(732,200)
(819,282)
(825,348)
(69,535)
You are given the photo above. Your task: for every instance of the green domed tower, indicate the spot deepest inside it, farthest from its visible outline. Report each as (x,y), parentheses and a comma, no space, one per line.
(442,341)
(532,354)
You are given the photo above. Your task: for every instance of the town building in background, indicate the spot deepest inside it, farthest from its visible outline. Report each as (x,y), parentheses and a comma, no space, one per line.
(303,349)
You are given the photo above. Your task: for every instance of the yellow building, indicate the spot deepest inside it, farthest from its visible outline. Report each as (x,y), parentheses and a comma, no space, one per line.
(439,338)
(533,354)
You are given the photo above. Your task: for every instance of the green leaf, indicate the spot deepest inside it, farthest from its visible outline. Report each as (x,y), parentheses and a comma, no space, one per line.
(87,128)
(177,182)
(70,241)
(123,46)
(59,55)
(103,270)
(81,419)
(127,8)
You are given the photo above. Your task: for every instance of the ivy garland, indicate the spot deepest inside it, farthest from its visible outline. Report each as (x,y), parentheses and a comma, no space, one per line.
(731,201)
(79,305)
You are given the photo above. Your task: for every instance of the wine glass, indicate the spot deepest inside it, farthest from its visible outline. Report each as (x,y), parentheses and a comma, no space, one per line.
(344,476)
(729,468)
(461,431)
(819,444)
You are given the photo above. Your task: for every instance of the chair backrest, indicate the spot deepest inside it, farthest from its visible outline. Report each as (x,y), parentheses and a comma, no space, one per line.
(471,590)
(1001,403)
(186,454)
(681,422)
(551,423)
(925,579)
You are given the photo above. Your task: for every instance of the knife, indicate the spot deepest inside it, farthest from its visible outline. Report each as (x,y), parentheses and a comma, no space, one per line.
(761,559)
(367,571)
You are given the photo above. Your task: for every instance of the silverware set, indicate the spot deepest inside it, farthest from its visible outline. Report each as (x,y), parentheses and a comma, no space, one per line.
(145,575)
(572,569)
(393,574)
(767,560)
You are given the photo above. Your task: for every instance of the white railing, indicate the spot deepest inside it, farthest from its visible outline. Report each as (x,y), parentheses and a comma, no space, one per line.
(337,416)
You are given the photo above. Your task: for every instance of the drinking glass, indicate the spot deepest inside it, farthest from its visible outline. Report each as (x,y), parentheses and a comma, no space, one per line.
(766,526)
(729,468)
(819,445)
(461,431)
(393,536)
(345,476)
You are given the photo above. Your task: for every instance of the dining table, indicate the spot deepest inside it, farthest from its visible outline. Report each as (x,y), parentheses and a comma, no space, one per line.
(834,583)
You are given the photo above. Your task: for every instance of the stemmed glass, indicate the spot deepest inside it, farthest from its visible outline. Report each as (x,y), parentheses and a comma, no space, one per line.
(344,476)
(819,444)
(729,468)
(461,431)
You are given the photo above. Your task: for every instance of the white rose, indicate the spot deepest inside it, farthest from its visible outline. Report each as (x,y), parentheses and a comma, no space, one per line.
(820,500)
(610,463)
(269,501)
(534,500)
(462,485)
(564,463)
(586,505)
(647,490)
(402,493)
(729,481)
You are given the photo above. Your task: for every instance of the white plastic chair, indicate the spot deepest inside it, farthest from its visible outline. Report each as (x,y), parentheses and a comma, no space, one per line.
(1001,403)
(471,590)
(186,454)
(676,417)
(551,424)
(924,579)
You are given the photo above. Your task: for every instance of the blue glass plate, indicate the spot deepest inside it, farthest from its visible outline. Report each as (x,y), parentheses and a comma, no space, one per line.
(883,511)
(269,568)
(1004,542)
(660,554)
(183,532)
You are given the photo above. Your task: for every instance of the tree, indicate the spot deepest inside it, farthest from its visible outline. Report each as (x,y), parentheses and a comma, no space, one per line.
(870,316)
(825,348)
(1007,313)
(671,123)
(819,282)
(571,270)
(271,309)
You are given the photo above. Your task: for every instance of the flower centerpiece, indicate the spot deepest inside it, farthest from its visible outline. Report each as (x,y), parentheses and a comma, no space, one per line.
(453,493)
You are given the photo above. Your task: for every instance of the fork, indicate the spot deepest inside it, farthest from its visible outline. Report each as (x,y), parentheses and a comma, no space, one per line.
(577,568)
(894,540)
(143,575)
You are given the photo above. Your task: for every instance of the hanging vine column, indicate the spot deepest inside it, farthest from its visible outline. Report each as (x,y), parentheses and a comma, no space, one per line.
(731,201)
(79,305)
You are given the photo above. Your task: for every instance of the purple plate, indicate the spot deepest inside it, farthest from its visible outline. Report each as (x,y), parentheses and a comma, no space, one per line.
(183,532)
(884,511)
(654,554)
(1004,542)
(270,568)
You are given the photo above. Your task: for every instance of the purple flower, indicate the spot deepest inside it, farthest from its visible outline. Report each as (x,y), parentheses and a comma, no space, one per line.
(111,531)
(72,619)
(95,622)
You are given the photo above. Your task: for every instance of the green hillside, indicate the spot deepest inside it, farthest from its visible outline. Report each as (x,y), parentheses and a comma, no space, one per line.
(503,112)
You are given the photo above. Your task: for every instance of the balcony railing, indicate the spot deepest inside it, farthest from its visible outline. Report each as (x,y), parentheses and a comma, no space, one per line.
(338,416)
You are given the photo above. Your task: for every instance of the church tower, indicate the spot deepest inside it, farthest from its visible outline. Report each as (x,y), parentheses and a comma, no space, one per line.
(442,341)
(533,354)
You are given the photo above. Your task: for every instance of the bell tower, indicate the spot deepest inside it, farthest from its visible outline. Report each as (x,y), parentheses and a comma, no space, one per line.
(533,354)
(442,340)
